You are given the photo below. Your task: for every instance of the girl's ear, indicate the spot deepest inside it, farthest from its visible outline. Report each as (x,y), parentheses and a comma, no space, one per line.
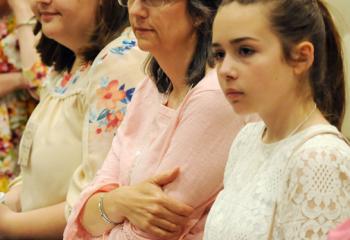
(302,57)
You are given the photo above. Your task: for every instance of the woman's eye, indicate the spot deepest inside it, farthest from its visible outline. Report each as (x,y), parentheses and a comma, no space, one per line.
(218,56)
(246,51)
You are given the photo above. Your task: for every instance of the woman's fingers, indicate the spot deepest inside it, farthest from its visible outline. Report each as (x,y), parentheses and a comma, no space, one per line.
(157,227)
(177,207)
(166,225)
(163,213)
(165,178)
(173,205)
(147,207)
(156,216)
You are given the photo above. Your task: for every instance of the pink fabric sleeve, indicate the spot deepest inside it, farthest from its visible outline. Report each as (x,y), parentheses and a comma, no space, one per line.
(342,232)
(106,179)
(200,147)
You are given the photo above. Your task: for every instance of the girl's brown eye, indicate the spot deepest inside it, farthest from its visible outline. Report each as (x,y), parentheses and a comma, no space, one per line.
(246,51)
(218,55)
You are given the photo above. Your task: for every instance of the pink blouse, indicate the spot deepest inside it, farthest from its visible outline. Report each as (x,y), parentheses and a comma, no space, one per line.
(154,138)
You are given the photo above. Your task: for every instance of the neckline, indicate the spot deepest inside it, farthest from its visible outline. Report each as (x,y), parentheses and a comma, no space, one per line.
(292,137)
(164,99)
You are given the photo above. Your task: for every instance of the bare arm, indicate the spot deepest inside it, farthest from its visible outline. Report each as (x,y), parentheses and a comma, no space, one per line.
(10,82)
(44,223)
(22,12)
(28,55)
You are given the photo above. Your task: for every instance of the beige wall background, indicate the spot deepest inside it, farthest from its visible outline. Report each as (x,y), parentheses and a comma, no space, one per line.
(341,12)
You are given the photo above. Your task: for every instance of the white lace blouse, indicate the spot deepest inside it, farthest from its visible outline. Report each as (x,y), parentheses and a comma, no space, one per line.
(281,191)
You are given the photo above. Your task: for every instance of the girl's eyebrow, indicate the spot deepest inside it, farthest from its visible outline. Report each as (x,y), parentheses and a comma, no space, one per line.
(215,45)
(242,39)
(236,41)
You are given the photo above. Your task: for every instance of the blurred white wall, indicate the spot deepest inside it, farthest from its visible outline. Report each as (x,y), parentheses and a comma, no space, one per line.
(341,12)
(346,126)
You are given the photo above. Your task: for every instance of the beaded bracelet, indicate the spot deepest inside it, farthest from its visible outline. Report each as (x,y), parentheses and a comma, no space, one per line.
(30,22)
(102,212)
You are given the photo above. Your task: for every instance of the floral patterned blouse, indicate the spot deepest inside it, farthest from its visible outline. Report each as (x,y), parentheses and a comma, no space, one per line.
(15,107)
(70,132)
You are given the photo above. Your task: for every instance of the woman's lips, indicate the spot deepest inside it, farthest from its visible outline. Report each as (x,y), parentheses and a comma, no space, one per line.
(141,30)
(47,16)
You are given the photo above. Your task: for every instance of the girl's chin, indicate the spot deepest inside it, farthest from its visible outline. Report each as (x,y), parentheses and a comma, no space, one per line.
(241,110)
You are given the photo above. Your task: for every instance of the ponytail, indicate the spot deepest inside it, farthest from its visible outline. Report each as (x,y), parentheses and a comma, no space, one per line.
(329,90)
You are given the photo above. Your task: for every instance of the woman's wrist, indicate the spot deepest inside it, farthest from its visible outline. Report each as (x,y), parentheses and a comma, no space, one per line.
(101,210)
(29,22)
(112,208)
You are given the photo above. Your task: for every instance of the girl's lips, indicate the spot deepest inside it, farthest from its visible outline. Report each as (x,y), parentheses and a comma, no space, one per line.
(233,94)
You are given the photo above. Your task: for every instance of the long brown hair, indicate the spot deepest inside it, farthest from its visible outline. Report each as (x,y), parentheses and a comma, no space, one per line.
(298,20)
(111,20)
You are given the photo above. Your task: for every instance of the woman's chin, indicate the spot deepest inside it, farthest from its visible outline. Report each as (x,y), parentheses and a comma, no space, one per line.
(146,45)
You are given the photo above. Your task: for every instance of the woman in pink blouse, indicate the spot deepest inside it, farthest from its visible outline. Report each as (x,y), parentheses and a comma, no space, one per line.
(166,163)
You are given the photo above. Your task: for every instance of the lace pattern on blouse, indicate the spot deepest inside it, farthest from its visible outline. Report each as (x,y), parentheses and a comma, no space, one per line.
(312,191)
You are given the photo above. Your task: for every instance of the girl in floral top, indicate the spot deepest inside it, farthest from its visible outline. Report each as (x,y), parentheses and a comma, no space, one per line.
(19,73)
(96,66)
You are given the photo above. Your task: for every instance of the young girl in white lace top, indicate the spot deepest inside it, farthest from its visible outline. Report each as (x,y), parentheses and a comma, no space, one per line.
(288,176)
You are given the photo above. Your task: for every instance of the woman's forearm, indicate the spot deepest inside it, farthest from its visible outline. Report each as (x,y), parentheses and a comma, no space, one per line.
(44,223)
(10,82)
(21,10)
(28,53)
(25,35)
